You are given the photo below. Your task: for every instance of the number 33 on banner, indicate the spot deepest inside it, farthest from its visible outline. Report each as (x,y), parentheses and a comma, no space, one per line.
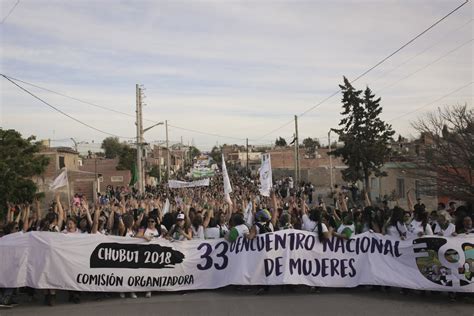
(208,259)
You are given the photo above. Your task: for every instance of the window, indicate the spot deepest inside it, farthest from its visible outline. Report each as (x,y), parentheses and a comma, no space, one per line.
(401,188)
(62,164)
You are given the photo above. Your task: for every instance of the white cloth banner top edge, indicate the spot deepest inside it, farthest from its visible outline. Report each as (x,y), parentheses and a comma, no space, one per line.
(47,260)
(176,184)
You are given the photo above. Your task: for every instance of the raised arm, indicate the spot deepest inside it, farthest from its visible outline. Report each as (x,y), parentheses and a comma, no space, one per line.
(60,212)
(367,199)
(95,224)
(207,218)
(409,201)
(26,218)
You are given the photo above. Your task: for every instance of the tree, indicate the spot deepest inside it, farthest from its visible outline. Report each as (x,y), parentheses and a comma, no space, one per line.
(127,158)
(216,155)
(365,135)
(280,142)
(194,152)
(112,147)
(310,144)
(19,162)
(448,160)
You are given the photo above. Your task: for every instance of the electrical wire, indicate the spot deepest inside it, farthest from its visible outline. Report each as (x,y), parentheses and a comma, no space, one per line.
(376,65)
(432,102)
(116,111)
(422,52)
(11,11)
(62,112)
(426,66)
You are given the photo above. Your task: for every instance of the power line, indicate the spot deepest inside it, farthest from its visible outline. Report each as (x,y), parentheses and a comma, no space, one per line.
(428,104)
(422,52)
(204,133)
(116,111)
(11,11)
(427,65)
(71,97)
(409,42)
(63,113)
(379,63)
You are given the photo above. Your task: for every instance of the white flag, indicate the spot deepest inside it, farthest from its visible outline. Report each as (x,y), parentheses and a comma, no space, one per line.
(166,208)
(227,187)
(60,181)
(248,216)
(265,175)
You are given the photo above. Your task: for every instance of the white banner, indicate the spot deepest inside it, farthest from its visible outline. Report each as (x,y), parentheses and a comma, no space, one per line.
(175,184)
(265,175)
(119,264)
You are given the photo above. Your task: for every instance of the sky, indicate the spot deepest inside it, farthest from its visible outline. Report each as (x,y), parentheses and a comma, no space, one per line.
(238,69)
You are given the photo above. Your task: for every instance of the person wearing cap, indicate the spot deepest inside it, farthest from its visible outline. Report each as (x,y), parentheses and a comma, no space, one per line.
(262,225)
(181,230)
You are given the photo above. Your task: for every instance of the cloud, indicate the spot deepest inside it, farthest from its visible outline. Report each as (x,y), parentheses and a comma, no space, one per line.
(234,68)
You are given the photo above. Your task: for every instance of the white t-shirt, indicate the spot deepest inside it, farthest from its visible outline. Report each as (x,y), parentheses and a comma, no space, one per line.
(242,229)
(212,233)
(393,231)
(312,226)
(445,232)
(415,227)
(198,233)
(78,231)
(153,233)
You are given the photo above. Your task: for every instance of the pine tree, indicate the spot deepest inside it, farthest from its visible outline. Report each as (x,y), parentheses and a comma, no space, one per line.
(365,135)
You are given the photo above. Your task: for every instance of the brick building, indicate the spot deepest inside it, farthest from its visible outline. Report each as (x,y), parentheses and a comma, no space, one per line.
(79,182)
(314,166)
(107,173)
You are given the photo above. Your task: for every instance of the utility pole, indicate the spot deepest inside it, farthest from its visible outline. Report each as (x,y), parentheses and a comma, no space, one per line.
(297,153)
(247,160)
(183,156)
(139,139)
(167,152)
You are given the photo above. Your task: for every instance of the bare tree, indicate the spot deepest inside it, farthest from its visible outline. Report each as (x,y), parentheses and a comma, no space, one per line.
(448,157)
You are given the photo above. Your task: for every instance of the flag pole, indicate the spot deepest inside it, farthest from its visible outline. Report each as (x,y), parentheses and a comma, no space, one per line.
(68,192)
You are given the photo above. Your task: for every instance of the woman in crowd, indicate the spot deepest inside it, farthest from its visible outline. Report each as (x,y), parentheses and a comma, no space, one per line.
(181,230)
(444,228)
(396,226)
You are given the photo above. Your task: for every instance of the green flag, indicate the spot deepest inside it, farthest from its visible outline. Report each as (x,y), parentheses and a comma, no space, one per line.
(134,178)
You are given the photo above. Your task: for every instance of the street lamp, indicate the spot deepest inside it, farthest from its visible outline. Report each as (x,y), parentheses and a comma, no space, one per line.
(140,160)
(149,128)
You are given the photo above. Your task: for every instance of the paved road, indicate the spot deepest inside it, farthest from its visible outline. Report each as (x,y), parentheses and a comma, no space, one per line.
(329,302)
